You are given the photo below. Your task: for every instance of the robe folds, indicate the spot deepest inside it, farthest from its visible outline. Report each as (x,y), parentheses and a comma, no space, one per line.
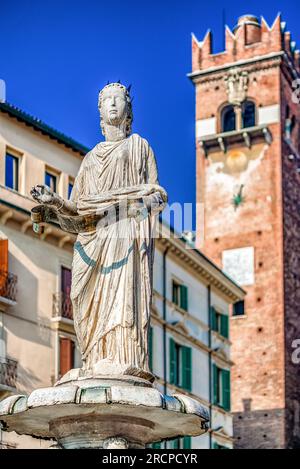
(112,265)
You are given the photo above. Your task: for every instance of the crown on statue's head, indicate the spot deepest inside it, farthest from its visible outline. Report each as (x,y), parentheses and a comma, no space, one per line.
(119,85)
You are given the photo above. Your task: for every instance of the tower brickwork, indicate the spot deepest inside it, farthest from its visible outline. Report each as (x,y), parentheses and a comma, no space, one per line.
(248,220)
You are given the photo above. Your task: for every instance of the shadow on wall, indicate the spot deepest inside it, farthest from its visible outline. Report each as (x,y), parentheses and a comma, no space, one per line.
(27,338)
(27,381)
(27,307)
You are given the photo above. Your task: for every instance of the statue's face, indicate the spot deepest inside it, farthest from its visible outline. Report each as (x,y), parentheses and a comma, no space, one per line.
(114,106)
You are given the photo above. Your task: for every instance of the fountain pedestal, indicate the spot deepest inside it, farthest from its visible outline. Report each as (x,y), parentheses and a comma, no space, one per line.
(103,413)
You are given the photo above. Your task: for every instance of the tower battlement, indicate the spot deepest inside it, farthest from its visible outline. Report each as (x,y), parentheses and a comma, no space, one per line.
(251,37)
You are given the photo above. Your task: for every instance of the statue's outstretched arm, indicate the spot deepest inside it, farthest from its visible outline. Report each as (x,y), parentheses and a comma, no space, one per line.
(46,196)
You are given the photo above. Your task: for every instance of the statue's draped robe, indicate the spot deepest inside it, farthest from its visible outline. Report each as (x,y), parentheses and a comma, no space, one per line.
(112,265)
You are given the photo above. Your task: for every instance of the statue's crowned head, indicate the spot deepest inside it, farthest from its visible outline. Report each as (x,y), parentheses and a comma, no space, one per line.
(115,107)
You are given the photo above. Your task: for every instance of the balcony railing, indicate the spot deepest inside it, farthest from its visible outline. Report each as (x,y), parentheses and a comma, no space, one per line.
(8,372)
(62,306)
(8,286)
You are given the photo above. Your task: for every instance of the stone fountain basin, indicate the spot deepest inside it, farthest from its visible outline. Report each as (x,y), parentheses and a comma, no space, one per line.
(85,415)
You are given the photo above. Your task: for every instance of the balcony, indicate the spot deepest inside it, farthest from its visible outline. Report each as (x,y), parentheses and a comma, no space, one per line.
(223,141)
(62,306)
(8,288)
(8,376)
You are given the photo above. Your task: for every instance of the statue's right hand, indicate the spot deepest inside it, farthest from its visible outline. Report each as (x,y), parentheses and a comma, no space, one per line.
(43,194)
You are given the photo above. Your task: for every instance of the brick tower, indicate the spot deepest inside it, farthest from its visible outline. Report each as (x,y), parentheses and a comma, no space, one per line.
(248,220)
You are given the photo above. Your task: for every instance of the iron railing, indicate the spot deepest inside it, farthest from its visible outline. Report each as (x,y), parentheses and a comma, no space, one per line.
(62,305)
(8,285)
(8,372)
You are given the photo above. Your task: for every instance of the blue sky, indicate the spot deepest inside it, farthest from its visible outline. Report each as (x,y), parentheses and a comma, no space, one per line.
(56,55)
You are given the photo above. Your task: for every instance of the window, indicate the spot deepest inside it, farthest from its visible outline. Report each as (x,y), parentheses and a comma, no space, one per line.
(180,365)
(248,114)
(239,308)
(70,188)
(12,171)
(180,295)
(219,322)
(228,119)
(51,180)
(221,387)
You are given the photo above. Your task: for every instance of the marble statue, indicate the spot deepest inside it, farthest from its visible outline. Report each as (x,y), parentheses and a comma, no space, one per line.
(113,255)
(111,402)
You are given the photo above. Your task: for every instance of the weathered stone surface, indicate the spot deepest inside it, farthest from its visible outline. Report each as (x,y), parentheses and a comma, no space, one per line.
(52,396)
(7,405)
(135,396)
(20,405)
(171,403)
(191,406)
(93,396)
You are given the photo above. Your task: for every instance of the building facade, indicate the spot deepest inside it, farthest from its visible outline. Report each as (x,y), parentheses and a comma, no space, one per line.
(189,340)
(248,181)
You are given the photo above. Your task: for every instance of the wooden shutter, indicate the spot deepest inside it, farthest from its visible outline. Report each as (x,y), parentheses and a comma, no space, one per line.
(66,354)
(151,348)
(184,297)
(3,263)
(213,319)
(173,362)
(226,389)
(224,326)
(3,255)
(215,384)
(186,360)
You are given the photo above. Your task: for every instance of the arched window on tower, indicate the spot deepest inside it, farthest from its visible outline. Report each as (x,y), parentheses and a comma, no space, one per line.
(228,119)
(248,114)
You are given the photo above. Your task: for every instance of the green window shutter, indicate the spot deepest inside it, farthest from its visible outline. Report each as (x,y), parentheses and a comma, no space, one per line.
(213,319)
(175,444)
(226,389)
(184,297)
(225,326)
(186,371)
(174,293)
(151,348)
(156,445)
(215,445)
(173,362)
(215,384)
(187,442)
